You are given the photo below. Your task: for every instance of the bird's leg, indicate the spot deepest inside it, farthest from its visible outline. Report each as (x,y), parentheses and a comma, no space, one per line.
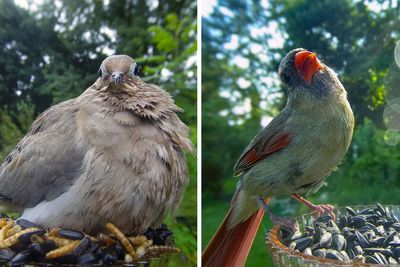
(288,222)
(317,210)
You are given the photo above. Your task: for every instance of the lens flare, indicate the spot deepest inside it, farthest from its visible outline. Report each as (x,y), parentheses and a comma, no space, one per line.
(392,137)
(397,54)
(391,114)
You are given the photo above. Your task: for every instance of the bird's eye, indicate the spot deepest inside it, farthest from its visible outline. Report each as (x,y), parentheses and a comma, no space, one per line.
(286,78)
(134,71)
(100,73)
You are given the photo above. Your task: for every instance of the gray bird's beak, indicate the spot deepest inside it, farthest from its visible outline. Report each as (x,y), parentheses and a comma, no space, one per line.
(117,77)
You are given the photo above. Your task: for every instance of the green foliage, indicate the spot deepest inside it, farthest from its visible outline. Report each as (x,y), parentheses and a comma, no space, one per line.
(52,53)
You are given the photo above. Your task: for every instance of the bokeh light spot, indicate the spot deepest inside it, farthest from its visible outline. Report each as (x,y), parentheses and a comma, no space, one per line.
(392,137)
(397,53)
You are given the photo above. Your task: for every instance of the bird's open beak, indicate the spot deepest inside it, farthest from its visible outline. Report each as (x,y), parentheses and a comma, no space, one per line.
(117,77)
(307,64)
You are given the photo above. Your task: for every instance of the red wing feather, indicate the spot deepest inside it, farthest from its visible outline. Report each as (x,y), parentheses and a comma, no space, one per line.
(252,156)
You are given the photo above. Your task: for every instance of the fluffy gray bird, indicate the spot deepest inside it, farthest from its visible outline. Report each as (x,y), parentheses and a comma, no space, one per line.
(113,154)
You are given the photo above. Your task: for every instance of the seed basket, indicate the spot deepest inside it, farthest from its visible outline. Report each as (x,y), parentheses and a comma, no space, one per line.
(284,256)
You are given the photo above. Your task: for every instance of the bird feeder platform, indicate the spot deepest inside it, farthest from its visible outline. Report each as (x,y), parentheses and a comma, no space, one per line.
(359,236)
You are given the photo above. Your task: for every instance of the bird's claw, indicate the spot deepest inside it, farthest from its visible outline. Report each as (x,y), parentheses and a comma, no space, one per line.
(318,210)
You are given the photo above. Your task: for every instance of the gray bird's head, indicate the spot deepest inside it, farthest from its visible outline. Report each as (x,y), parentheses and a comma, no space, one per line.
(118,69)
(305,76)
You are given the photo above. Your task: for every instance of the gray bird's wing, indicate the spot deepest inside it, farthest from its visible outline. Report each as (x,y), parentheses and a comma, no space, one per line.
(46,161)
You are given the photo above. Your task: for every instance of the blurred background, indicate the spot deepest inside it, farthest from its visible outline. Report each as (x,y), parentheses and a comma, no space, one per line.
(51,50)
(242,45)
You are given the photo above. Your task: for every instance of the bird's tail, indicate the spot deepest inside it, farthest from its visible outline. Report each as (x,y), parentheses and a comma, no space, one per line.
(230,245)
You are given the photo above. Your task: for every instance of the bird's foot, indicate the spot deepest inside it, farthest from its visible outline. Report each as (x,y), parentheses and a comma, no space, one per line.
(316,210)
(284,221)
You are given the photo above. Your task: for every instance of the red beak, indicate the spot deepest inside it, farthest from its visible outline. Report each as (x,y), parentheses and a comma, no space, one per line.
(307,64)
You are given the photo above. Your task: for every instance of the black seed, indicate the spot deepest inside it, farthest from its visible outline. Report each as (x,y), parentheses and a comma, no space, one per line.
(396,252)
(367,211)
(36,250)
(380,209)
(389,238)
(119,249)
(339,243)
(350,211)
(332,254)
(320,253)
(393,243)
(110,256)
(6,254)
(21,257)
(377,241)
(371,259)
(358,221)
(382,260)
(396,226)
(392,261)
(296,235)
(303,242)
(26,238)
(344,255)
(342,221)
(361,239)
(49,245)
(326,240)
(87,258)
(82,247)
(380,230)
(351,253)
(70,234)
(358,250)
(26,224)
(150,233)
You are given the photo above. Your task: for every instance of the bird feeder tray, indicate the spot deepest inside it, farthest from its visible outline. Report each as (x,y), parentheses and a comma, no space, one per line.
(360,236)
(23,243)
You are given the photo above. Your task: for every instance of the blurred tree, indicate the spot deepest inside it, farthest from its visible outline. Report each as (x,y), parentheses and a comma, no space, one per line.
(240,86)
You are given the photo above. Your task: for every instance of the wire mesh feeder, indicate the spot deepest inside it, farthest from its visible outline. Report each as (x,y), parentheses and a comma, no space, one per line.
(360,236)
(23,243)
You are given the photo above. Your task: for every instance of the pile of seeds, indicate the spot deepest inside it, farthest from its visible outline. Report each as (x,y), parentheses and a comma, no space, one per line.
(22,241)
(370,235)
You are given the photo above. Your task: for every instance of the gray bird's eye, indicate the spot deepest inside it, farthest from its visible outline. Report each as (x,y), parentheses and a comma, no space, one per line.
(100,73)
(134,71)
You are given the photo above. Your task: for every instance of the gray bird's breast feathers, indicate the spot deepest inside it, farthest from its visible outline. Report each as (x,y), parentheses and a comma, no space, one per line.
(93,160)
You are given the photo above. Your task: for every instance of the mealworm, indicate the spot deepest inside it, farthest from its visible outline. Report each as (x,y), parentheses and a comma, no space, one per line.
(105,239)
(60,241)
(62,251)
(13,231)
(162,249)
(53,232)
(141,250)
(36,239)
(3,231)
(137,240)
(3,222)
(122,239)
(12,240)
